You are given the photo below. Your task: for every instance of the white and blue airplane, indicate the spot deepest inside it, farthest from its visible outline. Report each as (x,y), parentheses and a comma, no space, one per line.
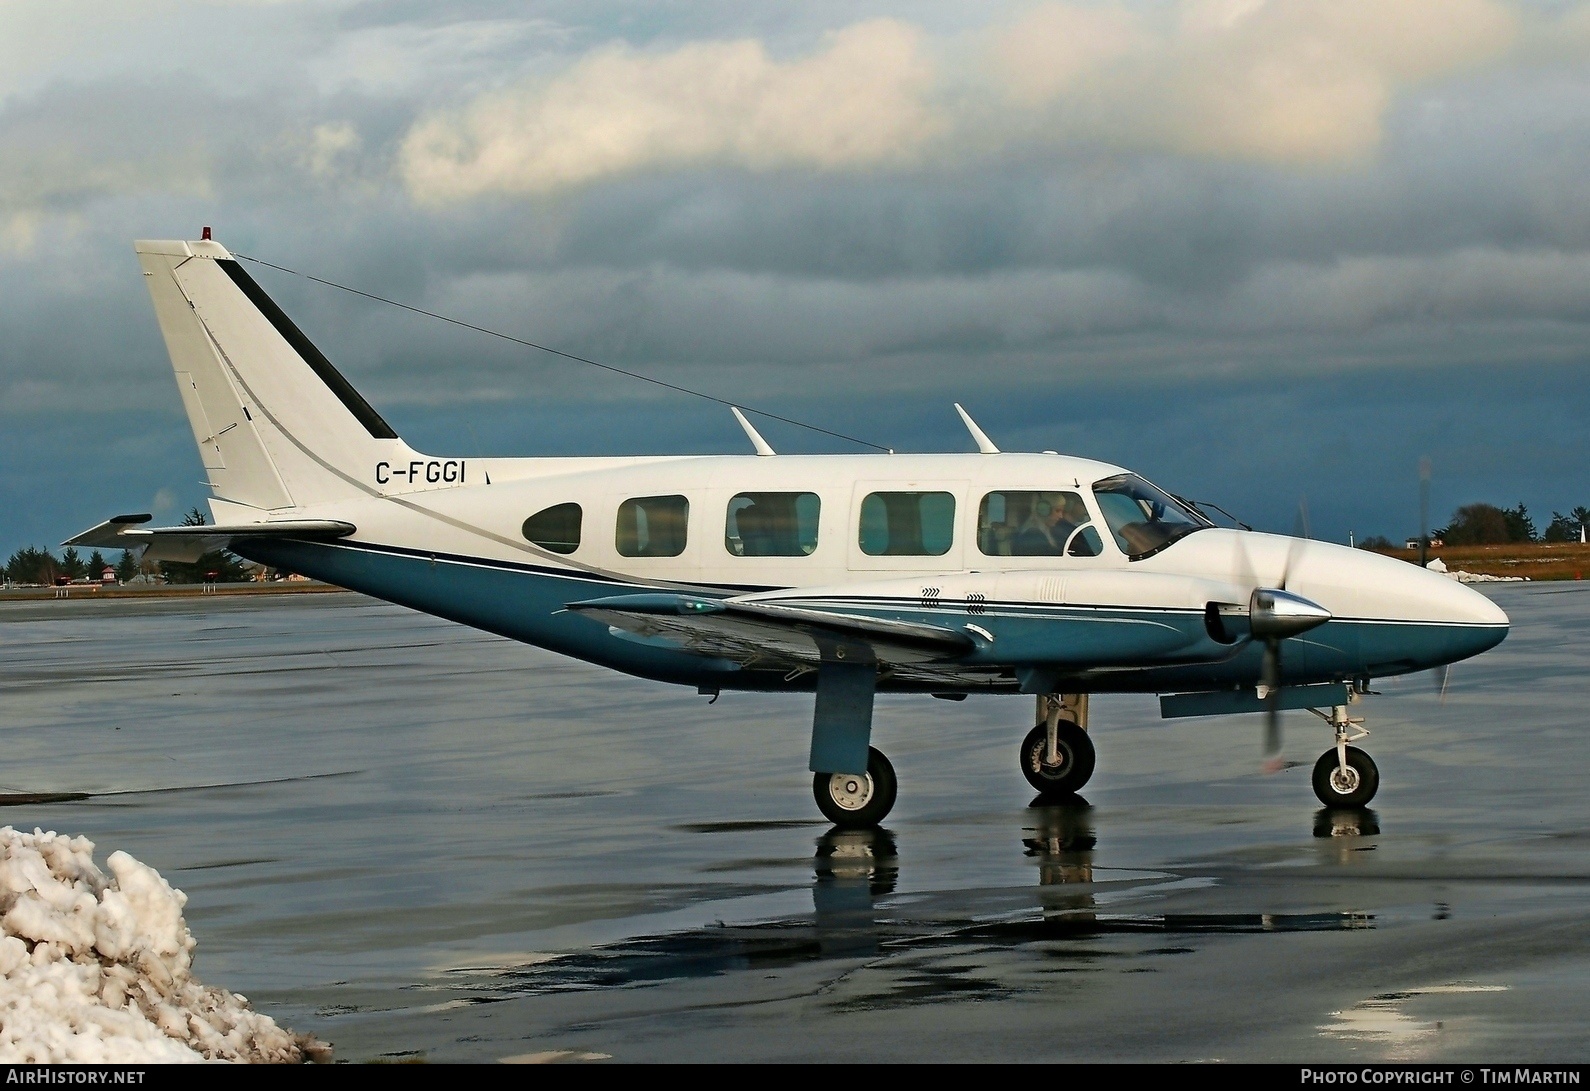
(842,575)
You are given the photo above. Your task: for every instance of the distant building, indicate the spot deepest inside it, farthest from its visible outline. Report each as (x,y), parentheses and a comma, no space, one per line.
(108,576)
(1413,543)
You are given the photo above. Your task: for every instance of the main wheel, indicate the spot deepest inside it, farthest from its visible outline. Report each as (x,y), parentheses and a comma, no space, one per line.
(1071,772)
(1353,787)
(857,800)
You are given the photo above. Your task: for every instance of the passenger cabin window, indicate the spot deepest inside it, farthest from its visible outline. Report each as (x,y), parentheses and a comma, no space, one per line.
(772,524)
(652,526)
(556,529)
(1036,524)
(1144,519)
(907,524)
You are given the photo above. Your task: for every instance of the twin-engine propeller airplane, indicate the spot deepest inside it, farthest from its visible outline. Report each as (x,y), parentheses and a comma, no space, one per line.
(843,575)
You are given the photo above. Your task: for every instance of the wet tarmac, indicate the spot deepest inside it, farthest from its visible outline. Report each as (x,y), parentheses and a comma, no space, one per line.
(420,842)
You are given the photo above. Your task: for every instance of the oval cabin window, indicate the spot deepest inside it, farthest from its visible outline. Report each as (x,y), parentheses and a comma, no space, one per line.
(556,529)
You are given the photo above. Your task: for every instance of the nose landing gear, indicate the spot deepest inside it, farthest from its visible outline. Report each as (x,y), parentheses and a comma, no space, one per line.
(1345,776)
(1057,756)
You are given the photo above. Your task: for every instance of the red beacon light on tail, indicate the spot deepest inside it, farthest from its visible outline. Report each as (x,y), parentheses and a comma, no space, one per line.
(206,235)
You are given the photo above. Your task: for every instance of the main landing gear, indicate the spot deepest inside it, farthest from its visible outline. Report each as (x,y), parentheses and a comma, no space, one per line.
(857,800)
(1345,776)
(1057,757)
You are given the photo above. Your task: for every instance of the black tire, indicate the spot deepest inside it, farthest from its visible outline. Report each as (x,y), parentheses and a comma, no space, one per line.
(1077,759)
(1356,789)
(852,801)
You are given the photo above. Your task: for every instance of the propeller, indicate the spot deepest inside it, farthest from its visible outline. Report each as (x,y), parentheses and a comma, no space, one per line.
(1424,512)
(1441,676)
(1274,614)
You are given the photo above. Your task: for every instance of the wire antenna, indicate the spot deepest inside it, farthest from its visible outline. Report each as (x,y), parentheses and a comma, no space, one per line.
(566,355)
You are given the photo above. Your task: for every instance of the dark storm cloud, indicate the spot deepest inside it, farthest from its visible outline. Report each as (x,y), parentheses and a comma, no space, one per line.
(1050,266)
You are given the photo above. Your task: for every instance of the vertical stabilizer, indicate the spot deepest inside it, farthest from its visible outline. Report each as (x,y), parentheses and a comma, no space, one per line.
(277,425)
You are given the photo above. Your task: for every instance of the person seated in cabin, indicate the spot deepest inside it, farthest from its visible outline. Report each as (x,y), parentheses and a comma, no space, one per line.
(1044,532)
(753,531)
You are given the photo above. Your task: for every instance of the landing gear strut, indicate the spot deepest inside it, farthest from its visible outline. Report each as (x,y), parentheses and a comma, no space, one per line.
(857,800)
(1057,757)
(1345,776)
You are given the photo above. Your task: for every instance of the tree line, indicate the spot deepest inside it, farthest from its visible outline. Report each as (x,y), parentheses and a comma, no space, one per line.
(1487,524)
(32,565)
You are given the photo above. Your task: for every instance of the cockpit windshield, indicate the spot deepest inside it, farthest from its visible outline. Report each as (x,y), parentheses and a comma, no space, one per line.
(1144,519)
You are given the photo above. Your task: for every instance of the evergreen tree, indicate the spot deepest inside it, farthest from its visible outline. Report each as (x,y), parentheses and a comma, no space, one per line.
(127,567)
(31,565)
(1565,528)
(73,565)
(1520,527)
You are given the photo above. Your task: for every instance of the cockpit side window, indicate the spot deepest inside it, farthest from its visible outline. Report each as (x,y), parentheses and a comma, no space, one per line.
(1143,518)
(1036,524)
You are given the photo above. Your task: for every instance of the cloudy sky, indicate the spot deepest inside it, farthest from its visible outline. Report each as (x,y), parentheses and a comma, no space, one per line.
(1259,251)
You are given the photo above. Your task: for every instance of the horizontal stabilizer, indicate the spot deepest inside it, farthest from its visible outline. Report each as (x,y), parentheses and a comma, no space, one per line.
(761,632)
(187,544)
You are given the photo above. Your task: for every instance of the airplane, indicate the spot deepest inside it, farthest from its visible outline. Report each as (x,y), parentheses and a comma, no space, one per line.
(841,575)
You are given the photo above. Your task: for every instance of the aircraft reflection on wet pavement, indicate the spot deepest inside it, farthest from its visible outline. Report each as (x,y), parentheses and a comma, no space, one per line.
(1062,841)
(857,914)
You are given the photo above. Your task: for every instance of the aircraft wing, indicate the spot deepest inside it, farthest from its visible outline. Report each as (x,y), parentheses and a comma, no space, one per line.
(749,632)
(188,544)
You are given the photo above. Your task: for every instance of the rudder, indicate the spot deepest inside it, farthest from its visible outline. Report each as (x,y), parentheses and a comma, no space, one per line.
(277,425)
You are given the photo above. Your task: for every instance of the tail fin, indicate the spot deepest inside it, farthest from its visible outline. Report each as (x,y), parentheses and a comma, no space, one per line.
(277,425)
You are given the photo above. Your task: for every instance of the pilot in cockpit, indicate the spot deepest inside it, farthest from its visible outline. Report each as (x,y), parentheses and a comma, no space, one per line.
(1044,532)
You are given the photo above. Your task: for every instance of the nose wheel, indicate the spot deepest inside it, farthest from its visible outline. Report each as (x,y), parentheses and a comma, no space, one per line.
(1349,783)
(857,800)
(1345,776)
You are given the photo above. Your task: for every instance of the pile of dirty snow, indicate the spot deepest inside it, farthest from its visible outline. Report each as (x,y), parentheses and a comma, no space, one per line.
(1461,576)
(97,969)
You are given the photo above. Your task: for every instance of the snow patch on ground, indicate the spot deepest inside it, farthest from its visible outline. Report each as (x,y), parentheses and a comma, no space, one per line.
(98,970)
(1438,565)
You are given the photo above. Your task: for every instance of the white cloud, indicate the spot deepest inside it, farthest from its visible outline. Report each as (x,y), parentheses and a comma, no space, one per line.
(330,146)
(859,102)
(1282,81)
(47,175)
(1292,82)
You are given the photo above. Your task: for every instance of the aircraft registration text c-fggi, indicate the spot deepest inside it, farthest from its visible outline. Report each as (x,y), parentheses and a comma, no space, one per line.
(432,471)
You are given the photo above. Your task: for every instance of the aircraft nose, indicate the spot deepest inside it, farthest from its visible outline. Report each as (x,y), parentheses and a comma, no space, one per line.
(1429,619)
(1485,611)
(1471,622)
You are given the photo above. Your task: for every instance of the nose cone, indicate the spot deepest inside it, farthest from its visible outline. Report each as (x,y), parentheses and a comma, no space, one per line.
(1440,598)
(1426,619)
